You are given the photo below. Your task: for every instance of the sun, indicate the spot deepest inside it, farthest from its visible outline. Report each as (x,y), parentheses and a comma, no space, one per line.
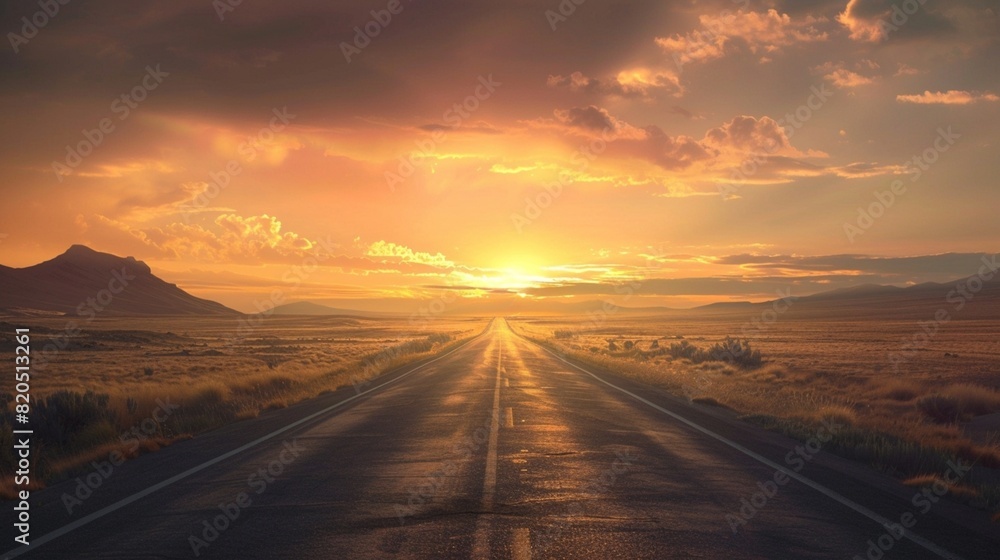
(513,279)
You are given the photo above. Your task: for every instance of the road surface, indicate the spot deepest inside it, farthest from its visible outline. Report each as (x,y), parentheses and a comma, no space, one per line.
(498,449)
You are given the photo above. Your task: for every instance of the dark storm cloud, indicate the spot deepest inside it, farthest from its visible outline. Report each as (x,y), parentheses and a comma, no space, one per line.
(591,117)
(879,20)
(267,54)
(678,110)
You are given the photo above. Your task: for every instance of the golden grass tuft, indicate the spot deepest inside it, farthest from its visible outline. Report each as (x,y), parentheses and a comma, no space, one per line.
(136,448)
(928,480)
(902,390)
(708,401)
(207,394)
(974,399)
(959,403)
(770,373)
(839,414)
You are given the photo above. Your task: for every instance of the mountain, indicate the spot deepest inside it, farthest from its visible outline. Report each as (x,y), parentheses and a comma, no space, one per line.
(857,293)
(84,282)
(310,308)
(965,298)
(725,306)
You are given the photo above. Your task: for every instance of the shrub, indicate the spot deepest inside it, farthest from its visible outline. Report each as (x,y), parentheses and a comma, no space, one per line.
(898,390)
(61,416)
(684,349)
(438,338)
(737,352)
(940,408)
(974,400)
(959,402)
(731,350)
(839,414)
(209,394)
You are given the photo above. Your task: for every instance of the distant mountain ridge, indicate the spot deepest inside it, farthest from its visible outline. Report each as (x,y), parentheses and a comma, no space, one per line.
(310,308)
(83,282)
(967,298)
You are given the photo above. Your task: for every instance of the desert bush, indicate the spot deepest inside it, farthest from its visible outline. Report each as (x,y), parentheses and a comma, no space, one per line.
(58,418)
(732,350)
(563,333)
(208,395)
(387,355)
(737,352)
(898,390)
(959,402)
(708,401)
(974,400)
(844,415)
(438,338)
(684,349)
(940,408)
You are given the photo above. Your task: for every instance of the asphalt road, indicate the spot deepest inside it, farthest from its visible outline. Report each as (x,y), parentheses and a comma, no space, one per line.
(496,450)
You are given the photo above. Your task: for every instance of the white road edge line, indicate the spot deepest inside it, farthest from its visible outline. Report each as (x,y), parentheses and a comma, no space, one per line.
(35,543)
(882,521)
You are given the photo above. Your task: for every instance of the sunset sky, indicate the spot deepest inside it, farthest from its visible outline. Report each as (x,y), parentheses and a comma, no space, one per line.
(714,149)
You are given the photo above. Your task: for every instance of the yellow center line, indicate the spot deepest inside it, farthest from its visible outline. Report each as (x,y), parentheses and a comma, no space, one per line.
(481,546)
(521,544)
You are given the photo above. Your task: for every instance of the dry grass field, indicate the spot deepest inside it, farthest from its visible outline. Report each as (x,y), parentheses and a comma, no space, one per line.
(133,385)
(910,405)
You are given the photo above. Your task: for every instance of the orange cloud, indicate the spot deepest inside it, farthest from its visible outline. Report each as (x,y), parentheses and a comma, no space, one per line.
(872,21)
(745,134)
(405,254)
(767,32)
(950,97)
(260,232)
(632,83)
(864,26)
(844,78)
(231,238)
